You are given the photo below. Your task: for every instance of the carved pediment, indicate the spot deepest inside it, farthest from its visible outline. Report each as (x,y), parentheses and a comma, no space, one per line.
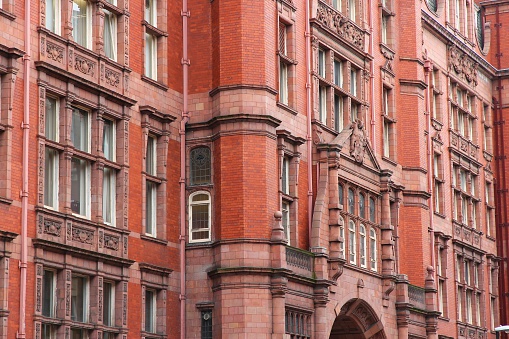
(354,141)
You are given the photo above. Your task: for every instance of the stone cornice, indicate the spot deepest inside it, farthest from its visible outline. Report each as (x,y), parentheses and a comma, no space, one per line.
(46,244)
(451,38)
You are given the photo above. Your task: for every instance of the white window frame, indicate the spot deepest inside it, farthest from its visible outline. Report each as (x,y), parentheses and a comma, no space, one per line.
(151,327)
(53,9)
(283,82)
(150,63)
(285,220)
(372,249)
(109,319)
(151,208)
(51,178)
(52,296)
(342,236)
(151,155)
(85,294)
(338,73)
(200,203)
(88,25)
(151,12)
(110,137)
(322,104)
(338,113)
(285,176)
(386,136)
(52,118)
(352,11)
(85,194)
(112,40)
(321,63)
(85,142)
(352,251)
(362,246)
(109,195)
(353,82)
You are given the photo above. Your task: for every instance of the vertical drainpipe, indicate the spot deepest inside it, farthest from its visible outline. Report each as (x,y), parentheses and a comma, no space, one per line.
(428,71)
(500,199)
(372,78)
(24,192)
(308,112)
(185,117)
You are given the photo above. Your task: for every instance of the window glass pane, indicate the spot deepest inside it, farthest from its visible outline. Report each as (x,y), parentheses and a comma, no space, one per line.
(48,331)
(351,241)
(79,299)
(51,178)
(110,35)
(51,116)
(353,82)
(200,166)
(151,208)
(338,76)
(362,206)
(79,186)
(322,98)
(371,209)
(283,83)
(321,63)
(150,12)
(80,22)
(284,176)
(341,193)
(48,293)
(206,325)
(351,201)
(109,139)
(200,221)
(151,157)
(151,56)
(372,248)
(109,195)
(362,245)
(80,130)
(286,220)
(108,304)
(338,113)
(149,311)
(51,15)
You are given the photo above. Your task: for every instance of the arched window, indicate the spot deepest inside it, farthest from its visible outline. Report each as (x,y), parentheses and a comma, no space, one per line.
(200,166)
(371,209)
(351,201)
(372,249)
(351,242)
(362,245)
(362,206)
(199,217)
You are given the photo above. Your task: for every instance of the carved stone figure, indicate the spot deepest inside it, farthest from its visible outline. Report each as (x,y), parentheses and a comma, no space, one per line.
(358,141)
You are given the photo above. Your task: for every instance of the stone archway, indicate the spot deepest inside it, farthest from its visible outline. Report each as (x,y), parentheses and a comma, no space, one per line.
(357,320)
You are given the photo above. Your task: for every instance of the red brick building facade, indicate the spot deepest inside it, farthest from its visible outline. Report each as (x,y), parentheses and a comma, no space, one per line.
(240,169)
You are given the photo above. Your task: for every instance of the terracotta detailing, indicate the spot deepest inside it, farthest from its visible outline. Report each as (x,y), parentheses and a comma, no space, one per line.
(25,126)
(185,117)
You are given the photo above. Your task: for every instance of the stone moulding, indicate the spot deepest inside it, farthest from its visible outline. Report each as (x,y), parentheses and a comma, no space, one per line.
(340,25)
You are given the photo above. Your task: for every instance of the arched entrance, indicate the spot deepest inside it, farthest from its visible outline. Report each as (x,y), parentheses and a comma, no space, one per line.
(357,320)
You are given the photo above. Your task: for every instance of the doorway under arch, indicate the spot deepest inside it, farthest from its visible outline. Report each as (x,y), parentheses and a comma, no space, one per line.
(357,320)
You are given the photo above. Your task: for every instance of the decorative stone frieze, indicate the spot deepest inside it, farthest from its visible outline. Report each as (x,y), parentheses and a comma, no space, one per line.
(462,65)
(340,25)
